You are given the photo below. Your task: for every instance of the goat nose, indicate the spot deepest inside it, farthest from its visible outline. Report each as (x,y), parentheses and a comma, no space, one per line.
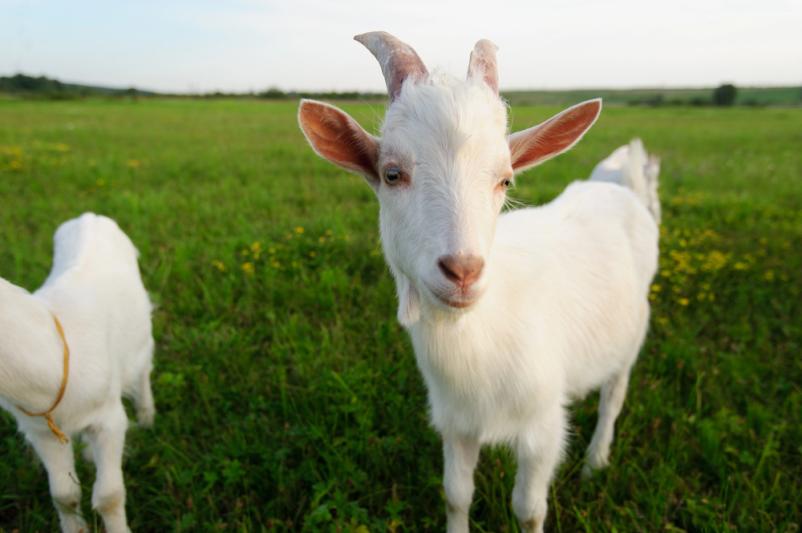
(463,270)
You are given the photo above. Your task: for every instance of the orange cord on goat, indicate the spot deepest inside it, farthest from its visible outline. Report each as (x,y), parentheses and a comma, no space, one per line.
(64,377)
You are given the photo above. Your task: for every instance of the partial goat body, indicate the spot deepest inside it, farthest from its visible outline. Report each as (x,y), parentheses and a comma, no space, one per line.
(95,291)
(632,167)
(511,316)
(562,318)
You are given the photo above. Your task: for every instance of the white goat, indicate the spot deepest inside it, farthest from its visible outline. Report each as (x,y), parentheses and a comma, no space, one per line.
(510,316)
(103,352)
(631,166)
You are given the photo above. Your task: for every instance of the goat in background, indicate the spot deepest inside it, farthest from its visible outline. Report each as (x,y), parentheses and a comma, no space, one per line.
(69,352)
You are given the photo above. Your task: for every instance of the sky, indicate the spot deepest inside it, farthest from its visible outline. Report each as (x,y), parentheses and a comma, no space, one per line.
(244,45)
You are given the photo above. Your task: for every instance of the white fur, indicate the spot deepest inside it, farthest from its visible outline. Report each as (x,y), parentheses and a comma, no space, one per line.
(561,307)
(95,290)
(631,166)
(454,134)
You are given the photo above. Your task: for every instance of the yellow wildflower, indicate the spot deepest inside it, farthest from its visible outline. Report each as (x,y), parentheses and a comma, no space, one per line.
(247,267)
(299,230)
(715,260)
(710,234)
(219,265)
(683,301)
(11,150)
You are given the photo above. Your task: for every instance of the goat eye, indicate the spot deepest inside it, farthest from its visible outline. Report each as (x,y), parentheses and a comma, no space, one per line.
(506,184)
(392,175)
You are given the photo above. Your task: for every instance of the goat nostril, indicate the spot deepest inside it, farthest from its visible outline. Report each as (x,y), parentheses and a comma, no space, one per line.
(449,269)
(462,270)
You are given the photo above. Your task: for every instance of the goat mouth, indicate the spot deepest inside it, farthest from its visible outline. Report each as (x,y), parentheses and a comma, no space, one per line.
(458,304)
(461,303)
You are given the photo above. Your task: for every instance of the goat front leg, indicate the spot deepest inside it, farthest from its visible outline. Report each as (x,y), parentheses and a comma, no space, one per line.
(611,400)
(539,452)
(460,455)
(65,489)
(107,439)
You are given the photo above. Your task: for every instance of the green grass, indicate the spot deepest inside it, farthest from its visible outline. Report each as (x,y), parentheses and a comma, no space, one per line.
(288,396)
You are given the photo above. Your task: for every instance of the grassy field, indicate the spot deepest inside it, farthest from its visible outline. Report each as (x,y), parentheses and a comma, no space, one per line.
(288,396)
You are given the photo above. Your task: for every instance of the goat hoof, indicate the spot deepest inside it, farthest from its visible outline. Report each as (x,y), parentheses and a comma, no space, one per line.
(145,418)
(591,467)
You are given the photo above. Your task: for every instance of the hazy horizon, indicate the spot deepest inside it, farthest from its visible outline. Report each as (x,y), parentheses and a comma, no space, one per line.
(251,45)
(290,90)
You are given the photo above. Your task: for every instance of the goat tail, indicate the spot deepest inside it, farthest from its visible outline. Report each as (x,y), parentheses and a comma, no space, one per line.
(631,166)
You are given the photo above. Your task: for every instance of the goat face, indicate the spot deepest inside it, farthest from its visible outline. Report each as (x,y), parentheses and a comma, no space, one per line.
(443,170)
(440,169)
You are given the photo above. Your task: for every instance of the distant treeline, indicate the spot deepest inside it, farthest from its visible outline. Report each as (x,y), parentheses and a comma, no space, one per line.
(23,86)
(274,93)
(48,88)
(724,95)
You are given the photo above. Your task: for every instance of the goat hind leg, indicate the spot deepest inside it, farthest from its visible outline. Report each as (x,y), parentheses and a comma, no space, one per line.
(142,393)
(145,408)
(611,400)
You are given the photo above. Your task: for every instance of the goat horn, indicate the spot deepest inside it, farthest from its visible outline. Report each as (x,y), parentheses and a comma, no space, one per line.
(483,63)
(397,59)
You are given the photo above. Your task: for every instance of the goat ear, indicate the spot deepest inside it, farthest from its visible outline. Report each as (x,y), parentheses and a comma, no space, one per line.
(408,301)
(337,137)
(551,138)
(483,64)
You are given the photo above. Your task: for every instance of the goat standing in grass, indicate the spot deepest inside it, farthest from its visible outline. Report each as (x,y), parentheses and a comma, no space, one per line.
(69,352)
(511,316)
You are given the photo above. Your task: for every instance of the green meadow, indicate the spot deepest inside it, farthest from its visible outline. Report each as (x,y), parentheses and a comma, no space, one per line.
(287,394)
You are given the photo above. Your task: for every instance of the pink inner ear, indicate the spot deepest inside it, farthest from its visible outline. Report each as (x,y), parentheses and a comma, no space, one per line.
(554,136)
(338,138)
